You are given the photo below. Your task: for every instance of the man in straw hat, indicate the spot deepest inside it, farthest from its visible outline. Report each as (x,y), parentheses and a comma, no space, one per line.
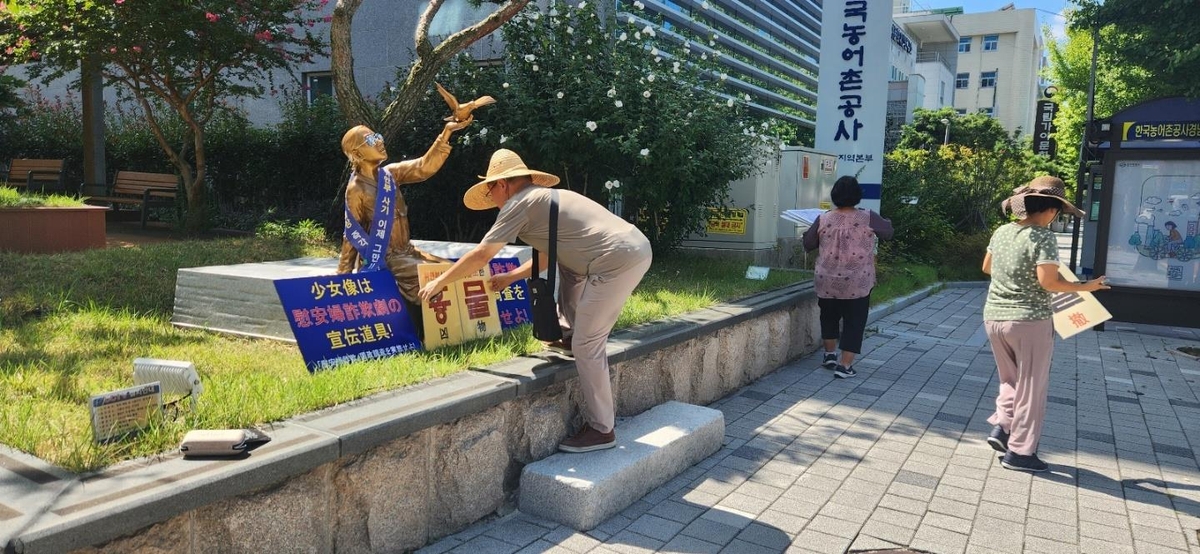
(601,259)
(1022,259)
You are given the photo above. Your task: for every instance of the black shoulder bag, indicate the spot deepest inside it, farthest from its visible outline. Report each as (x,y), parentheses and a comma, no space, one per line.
(541,291)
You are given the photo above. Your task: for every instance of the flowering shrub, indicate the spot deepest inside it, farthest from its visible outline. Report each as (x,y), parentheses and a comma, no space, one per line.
(619,113)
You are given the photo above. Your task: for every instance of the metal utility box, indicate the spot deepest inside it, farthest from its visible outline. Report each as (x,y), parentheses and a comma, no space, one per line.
(751,228)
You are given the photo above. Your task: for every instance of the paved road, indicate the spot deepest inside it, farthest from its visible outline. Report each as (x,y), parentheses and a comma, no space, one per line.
(896,456)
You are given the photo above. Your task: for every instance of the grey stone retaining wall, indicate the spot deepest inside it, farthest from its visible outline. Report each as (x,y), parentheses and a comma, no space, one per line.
(415,465)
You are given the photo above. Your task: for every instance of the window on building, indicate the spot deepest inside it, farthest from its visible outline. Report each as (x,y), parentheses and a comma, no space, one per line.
(964,44)
(990,112)
(962,80)
(991,42)
(942,93)
(961,111)
(318,84)
(987,79)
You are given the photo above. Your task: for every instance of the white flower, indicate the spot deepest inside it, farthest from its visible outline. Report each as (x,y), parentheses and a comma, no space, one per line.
(637,36)
(616,184)
(560,95)
(483,132)
(729,103)
(705,4)
(535,16)
(724,76)
(622,37)
(619,104)
(589,41)
(645,94)
(637,4)
(530,57)
(648,31)
(645,152)
(570,30)
(712,43)
(505,85)
(582,5)
(689,114)
(535,67)
(503,139)
(553,12)
(631,19)
(653,51)
(747,97)
(764,125)
(704,56)
(658,59)
(612,92)
(591,125)
(650,77)
(589,56)
(608,185)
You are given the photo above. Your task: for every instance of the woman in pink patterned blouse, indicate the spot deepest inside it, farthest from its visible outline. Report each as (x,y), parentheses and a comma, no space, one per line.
(845,272)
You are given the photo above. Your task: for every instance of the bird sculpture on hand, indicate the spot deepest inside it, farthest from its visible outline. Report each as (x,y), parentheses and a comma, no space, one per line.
(462,112)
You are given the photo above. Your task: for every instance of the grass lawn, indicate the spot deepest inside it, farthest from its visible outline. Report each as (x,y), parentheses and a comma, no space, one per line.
(71,325)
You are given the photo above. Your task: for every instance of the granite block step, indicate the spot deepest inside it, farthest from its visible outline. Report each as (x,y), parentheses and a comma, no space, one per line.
(583,490)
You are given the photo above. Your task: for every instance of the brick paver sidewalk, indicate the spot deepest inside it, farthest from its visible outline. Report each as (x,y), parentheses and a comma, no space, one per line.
(896,457)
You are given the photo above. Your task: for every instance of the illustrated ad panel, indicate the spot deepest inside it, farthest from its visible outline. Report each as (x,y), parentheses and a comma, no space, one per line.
(1152,240)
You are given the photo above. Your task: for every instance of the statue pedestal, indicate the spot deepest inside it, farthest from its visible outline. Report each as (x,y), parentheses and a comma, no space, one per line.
(241,299)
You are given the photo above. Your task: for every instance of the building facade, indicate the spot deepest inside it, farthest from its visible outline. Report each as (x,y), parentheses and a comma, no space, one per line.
(923,68)
(999,61)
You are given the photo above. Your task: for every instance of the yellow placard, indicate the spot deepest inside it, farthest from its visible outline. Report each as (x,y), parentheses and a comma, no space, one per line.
(727,221)
(1075,312)
(465,310)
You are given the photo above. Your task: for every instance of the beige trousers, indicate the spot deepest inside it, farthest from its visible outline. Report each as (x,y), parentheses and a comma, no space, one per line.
(588,306)
(1022,350)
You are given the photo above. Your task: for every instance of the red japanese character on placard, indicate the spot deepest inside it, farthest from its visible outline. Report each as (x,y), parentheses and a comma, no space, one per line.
(301,318)
(319,316)
(1078,319)
(506,316)
(522,316)
(351,310)
(366,309)
(336,314)
(394,306)
(476,299)
(381,307)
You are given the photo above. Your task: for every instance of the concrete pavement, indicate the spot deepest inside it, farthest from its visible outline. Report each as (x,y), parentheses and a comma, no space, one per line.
(896,456)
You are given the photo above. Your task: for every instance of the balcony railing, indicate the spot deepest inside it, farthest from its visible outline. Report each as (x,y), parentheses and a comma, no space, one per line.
(924,57)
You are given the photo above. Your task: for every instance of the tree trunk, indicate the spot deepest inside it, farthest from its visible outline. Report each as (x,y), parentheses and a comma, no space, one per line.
(354,107)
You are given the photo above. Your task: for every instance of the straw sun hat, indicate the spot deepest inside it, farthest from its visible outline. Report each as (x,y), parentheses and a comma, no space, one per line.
(505,164)
(1045,186)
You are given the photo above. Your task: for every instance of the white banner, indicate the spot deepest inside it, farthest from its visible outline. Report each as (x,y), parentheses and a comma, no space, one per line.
(852,89)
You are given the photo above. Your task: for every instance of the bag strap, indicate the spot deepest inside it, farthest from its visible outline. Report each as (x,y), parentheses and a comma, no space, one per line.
(553,242)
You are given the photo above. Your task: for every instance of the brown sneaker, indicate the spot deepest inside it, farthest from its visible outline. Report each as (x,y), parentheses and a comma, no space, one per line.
(562,346)
(587,440)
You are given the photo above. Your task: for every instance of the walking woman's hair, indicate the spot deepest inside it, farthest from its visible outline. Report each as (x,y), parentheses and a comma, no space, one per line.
(1038,204)
(846,192)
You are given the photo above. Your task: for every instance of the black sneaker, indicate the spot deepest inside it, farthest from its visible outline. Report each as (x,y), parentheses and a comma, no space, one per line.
(842,372)
(1030,463)
(998,440)
(829,361)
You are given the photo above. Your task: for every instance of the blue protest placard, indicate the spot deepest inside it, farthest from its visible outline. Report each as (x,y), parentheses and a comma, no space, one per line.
(513,301)
(344,318)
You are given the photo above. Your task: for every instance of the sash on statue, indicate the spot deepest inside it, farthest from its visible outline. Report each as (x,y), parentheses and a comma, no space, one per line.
(372,246)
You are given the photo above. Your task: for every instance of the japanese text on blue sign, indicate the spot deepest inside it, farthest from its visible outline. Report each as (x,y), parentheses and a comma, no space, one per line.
(513,301)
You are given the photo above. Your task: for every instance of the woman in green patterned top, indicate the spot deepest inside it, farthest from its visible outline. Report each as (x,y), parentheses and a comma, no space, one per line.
(1022,259)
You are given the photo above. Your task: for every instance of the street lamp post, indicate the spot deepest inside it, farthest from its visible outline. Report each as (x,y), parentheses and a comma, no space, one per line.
(946,138)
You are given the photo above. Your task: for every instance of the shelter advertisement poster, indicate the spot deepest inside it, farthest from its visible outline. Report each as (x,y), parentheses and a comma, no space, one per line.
(344,318)
(465,309)
(1154,230)
(1076,312)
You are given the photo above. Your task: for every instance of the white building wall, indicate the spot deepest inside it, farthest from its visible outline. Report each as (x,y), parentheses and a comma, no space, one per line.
(1016,62)
(939,85)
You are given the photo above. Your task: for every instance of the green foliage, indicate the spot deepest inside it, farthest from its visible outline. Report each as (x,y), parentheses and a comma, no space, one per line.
(173,58)
(618,115)
(974,130)
(306,231)
(1158,39)
(12,198)
(9,86)
(47,129)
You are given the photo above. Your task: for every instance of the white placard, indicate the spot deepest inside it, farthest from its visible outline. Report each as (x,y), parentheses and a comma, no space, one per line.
(757,273)
(119,413)
(1076,312)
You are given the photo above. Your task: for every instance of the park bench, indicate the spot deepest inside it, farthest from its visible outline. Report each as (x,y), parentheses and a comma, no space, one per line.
(136,190)
(38,175)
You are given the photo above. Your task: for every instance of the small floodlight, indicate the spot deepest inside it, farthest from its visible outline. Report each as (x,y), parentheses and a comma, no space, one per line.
(175,377)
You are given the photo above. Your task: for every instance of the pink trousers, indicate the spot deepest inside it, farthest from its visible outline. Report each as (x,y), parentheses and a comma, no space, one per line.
(1022,350)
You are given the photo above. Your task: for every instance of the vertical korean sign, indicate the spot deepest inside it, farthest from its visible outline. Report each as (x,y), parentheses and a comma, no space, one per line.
(852,89)
(345,318)
(465,309)
(1043,129)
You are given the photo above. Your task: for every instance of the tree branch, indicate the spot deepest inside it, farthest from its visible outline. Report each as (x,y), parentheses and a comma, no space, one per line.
(354,107)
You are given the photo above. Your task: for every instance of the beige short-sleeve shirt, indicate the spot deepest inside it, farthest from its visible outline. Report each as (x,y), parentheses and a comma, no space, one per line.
(591,239)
